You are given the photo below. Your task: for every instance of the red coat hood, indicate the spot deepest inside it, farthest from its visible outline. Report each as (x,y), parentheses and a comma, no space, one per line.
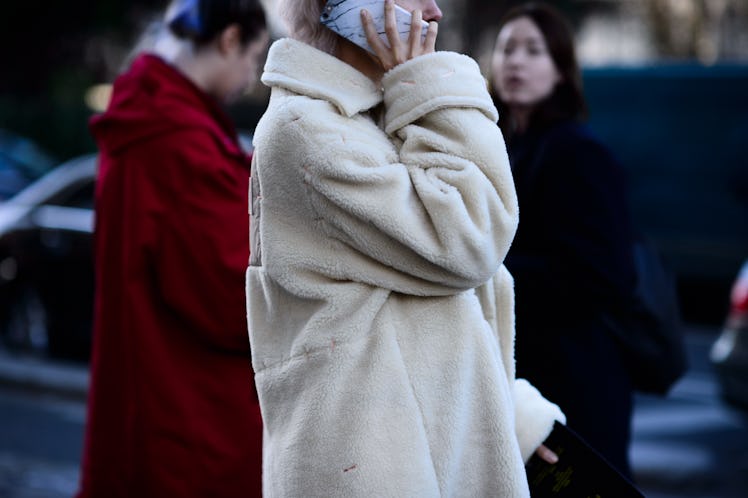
(154,98)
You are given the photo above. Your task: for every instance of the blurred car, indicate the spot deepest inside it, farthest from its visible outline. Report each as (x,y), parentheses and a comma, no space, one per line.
(46,268)
(46,261)
(729,353)
(21,162)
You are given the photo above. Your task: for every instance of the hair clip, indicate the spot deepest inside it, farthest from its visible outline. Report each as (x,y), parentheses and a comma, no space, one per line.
(184,16)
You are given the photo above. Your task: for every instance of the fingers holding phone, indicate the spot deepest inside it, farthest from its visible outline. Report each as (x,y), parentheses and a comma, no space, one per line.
(420,45)
(396,50)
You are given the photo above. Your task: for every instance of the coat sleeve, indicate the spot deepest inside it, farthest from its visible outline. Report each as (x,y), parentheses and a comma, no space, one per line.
(430,202)
(591,221)
(202,245)
(534,415)
(585,216)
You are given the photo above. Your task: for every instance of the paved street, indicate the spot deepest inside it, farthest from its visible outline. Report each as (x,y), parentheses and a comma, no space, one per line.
(691,444)
(40,442)
(688,445)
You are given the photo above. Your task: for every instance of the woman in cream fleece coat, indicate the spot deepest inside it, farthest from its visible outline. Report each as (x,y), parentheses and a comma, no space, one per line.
(380,315)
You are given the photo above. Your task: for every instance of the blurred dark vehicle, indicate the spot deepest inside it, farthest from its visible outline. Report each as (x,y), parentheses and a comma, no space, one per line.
(21,162)
(681,133)
(729,353)
(46,273)
(46,261)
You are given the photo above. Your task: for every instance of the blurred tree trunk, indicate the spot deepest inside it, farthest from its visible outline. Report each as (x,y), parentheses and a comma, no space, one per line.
(707,30)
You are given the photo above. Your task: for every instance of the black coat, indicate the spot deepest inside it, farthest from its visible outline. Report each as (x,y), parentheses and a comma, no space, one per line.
(571,260)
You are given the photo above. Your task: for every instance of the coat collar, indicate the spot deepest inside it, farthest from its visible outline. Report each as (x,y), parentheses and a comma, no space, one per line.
(305,70)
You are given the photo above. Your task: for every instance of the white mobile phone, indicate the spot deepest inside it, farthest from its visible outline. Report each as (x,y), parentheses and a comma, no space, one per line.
(344,17)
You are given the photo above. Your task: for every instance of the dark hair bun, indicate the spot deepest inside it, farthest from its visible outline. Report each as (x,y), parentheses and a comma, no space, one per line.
(202,20)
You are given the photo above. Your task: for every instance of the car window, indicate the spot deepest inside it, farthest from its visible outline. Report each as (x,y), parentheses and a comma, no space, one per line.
(79,195)
(83,197)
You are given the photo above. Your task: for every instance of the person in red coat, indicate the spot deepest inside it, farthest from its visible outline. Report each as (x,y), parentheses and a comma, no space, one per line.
(172,410)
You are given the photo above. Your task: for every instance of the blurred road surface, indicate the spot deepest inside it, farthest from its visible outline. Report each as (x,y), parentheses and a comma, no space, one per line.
(691,444)
(687,445)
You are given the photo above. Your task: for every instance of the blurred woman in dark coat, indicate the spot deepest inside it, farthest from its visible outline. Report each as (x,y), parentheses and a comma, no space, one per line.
(571,258)
(172,407)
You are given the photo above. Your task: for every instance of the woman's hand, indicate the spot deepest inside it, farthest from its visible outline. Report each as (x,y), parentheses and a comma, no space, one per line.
(399,51)
(546,454)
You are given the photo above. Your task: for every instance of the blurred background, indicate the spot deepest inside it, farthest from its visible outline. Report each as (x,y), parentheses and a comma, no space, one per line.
(667,85)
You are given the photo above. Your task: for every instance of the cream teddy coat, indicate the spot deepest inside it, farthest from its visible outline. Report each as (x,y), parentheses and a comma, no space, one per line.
(380,315)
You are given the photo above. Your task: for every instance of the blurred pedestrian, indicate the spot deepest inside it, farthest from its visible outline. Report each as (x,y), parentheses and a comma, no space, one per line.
(381,318)
(172,407)
(571,258)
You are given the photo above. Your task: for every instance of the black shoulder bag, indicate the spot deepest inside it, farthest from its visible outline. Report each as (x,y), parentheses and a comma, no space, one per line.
(650,331)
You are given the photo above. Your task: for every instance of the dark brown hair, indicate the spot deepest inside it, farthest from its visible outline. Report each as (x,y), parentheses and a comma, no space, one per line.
(567,99)
(202,20)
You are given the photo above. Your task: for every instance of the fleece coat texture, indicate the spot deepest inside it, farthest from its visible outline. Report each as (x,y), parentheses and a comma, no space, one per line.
(380,315)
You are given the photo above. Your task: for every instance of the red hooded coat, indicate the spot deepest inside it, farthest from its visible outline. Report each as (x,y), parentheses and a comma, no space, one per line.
(172,407)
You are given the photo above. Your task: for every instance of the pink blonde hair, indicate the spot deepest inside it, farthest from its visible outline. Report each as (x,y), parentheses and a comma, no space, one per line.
(302,20)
